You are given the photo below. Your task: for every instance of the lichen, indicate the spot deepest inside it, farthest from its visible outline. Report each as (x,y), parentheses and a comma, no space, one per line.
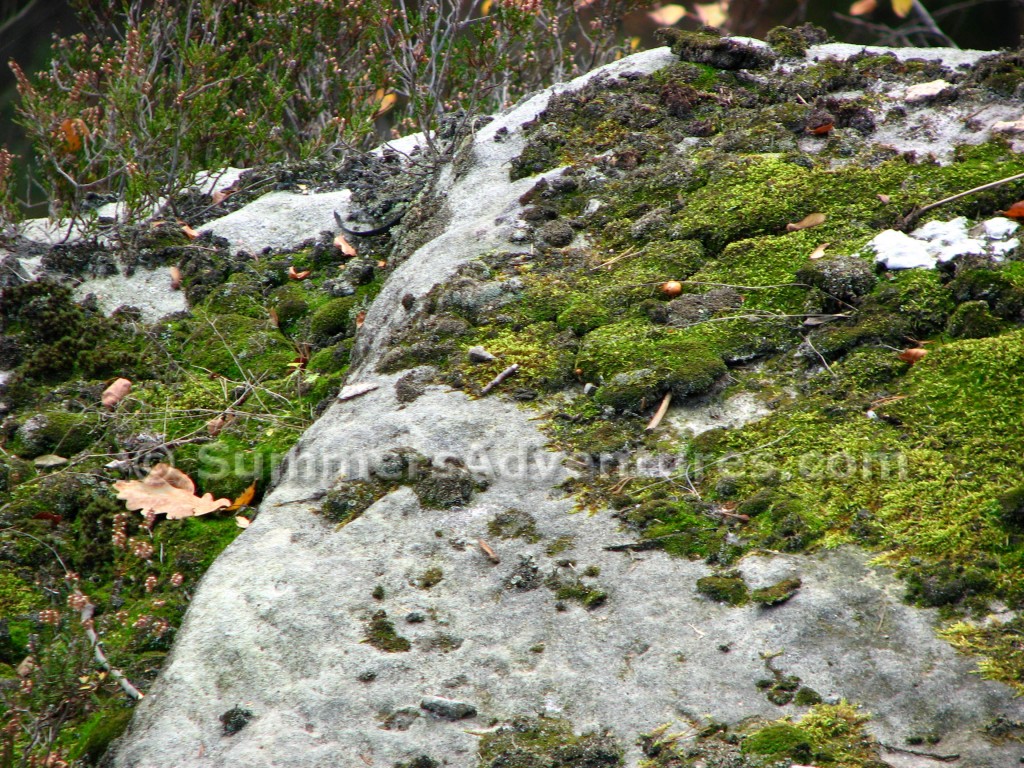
(539,742)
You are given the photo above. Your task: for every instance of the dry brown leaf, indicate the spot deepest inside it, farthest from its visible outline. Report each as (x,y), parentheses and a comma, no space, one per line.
(863,7)
(243,498)
(883,197)
(219,197)
(360,319)
(215,426)
(344,245)
(175,279)
(819,252)
(116,392)
(274,319)
(167,491)
(294,274)
(667,15)
(385,103)
(913,355)
(808,221)
(823,129)
(491,554)
(382,264)
(190,233)
(242,522)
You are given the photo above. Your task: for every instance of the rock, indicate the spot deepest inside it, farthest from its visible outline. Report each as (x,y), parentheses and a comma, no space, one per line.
(338,287)
(479,355)
(448,709)
(557,233)
(924,92)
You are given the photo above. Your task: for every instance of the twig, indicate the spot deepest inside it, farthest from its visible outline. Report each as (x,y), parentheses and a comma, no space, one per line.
(820,356)
(624,254)
(929,22)
(913,216)
(660,414)
(500,378)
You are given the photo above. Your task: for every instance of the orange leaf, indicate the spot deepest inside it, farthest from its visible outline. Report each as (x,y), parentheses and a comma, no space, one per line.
(863,7)
(912,355)
(385,103)
(808,221)
(344,245)
(1015,211)
(822,129)
(360,318)
(116,392)
(243,498)
(902,7)
(167,491)
(190,233)
(175,278)
(296,275)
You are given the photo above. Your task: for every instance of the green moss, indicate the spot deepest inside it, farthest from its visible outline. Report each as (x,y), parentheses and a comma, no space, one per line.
(343,505)
(57,432)
(780,740)
(381,634)
(972,320)
(333,318)
(998,645)
(237,346)
(430,578)
(728,588)
(776,594)
(16,597)
(96,734)
(514,524)
(546,743)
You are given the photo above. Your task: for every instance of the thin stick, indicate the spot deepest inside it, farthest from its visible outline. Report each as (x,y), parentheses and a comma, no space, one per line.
(933,27)
(500,378)
(660,414)
(915,215)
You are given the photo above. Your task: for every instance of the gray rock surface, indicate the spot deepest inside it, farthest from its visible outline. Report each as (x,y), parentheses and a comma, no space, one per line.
(279,625)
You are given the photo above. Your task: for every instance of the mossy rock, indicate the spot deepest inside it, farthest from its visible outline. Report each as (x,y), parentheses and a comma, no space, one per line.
(57,432)
(333,318)
(777,593)
(540,742)
(240,295)
(716,51)
(973,320)
(97,733)
(1001,292)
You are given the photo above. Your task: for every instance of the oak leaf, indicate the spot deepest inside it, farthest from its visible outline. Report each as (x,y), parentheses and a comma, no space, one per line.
(243,499)
(808,221)
(1015,211)
(167,491)
(344,245)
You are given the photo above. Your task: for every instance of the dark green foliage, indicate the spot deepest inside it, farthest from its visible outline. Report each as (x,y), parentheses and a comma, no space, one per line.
(972,320)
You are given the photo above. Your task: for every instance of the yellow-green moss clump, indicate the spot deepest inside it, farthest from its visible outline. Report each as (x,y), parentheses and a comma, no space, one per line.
(543,742)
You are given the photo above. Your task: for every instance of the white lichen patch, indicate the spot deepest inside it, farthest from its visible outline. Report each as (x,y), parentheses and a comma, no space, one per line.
(147,289)
(735,411)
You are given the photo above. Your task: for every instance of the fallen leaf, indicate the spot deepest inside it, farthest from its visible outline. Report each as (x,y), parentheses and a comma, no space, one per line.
(821,130)
(296,275)
(382,264)
(243,498)
(219,197)
(167,491)
(863,7)
(819,252)
(712,14)
(1015,211)
(175,278)
(344,245)
(385,103)
(242,522)
(667,15)
(491,554)
(902,7)
(190,233)
(215,426)
(884,198)
(360,319)
(116,392)
(274,319)
(355,390)
(808,221)
(912,355)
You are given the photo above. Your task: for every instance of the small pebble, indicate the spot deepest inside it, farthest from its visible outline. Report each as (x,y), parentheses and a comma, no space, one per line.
(448,709)
(479,355)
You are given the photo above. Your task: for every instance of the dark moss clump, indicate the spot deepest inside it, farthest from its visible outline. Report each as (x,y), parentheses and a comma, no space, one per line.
(714,50)
(333,319)
(728,588)
(776,593)
(572,587)
(1011,505)
(343,505)
(443,488)
(546,743)
(381,634)
(947,583)
(419,762)
(793,42)
(1002,294)
(98,732)
(234,720)
(514,524)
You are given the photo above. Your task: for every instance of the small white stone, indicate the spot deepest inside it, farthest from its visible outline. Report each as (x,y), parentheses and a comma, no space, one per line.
(925,91)
(896,250)
(1008,126)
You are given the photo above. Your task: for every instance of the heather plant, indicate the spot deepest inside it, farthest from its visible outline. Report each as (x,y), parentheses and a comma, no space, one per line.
(153,92)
